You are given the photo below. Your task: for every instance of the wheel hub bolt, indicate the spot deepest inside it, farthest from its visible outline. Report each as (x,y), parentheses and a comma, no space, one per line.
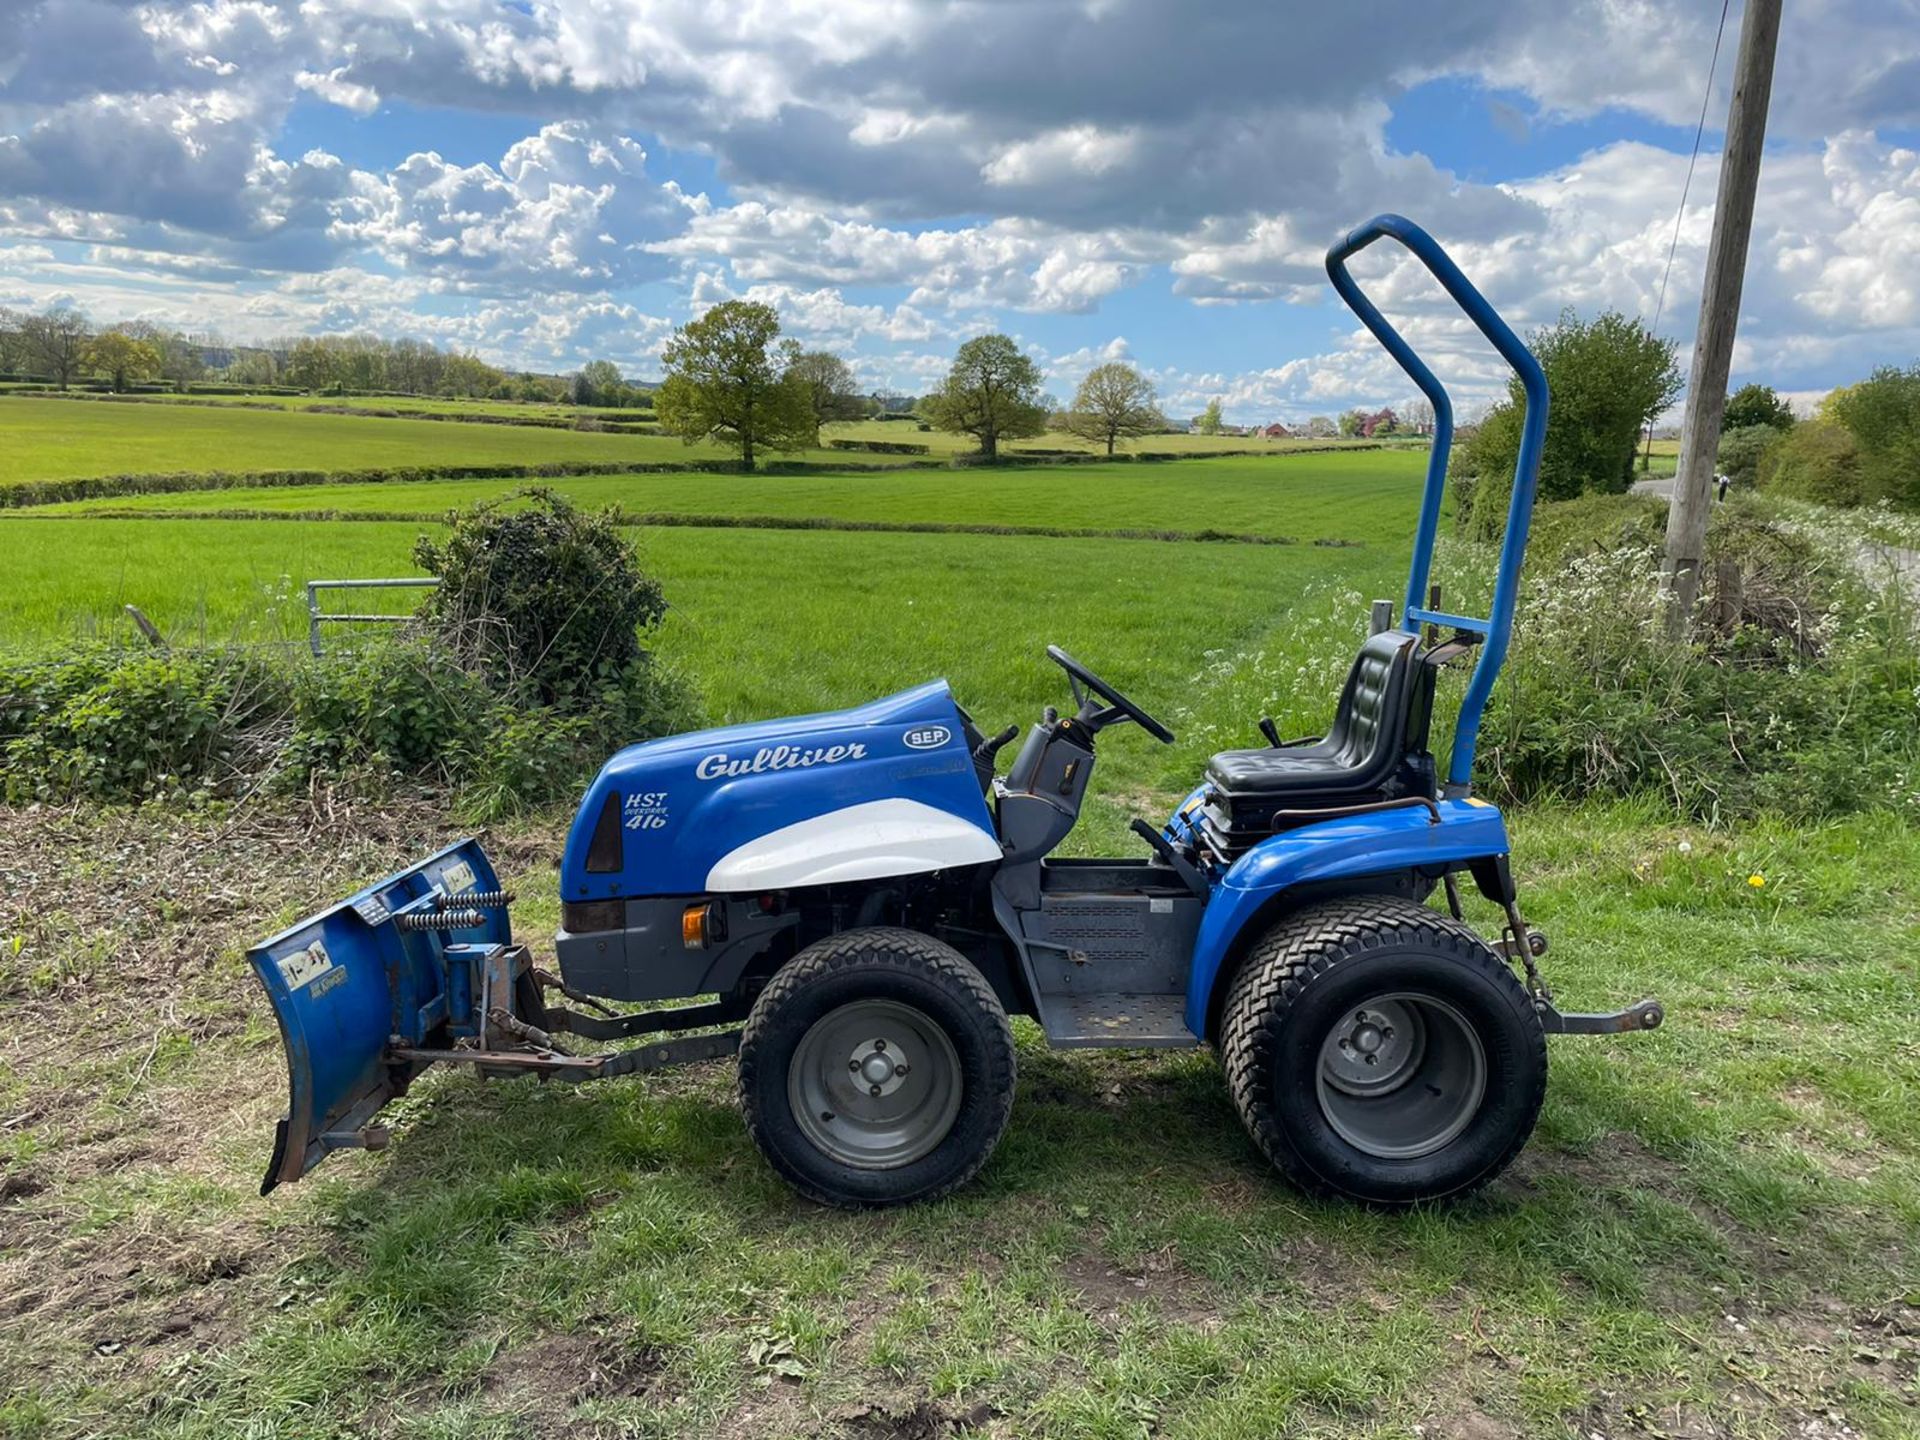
(900,1069)
(879,1044)
(873,1089)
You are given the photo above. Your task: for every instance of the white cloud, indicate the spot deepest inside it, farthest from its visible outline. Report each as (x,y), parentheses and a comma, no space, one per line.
(900,174)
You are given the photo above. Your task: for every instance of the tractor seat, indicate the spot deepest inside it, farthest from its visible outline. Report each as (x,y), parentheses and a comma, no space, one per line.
(1364,755)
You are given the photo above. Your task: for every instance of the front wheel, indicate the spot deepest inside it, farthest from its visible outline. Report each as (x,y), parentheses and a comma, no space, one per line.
(877,1068)
(1379,1051)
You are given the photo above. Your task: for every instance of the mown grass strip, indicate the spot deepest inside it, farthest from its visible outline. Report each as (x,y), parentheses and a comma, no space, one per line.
(28,494)
(637,422)
(677,520)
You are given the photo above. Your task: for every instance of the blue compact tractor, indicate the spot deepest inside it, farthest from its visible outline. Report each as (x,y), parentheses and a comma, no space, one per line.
(856,902)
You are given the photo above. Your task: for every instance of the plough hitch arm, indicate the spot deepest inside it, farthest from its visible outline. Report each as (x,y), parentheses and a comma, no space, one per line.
(1647,1015)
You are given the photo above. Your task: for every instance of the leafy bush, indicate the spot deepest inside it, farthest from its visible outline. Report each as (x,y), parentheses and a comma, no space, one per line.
(1608,377)
(131,725)
(1882,414)
(527,673)
(405,706)
(1799,693)
(1742,449)
(1817,461)
(545,598)
(108,723)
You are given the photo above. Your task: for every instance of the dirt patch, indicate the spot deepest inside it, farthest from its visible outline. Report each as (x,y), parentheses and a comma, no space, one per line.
(131,1238)
(1155,1278)
(562,1369)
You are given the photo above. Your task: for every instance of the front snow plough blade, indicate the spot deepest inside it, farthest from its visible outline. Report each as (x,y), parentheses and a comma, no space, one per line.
(420,969)
(404,965)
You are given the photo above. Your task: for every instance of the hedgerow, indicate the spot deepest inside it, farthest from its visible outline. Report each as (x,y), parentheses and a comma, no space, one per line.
(880,447)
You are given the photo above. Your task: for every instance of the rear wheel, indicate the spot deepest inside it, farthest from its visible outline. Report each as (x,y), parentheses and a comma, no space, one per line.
(877,1068)
(1380,1051)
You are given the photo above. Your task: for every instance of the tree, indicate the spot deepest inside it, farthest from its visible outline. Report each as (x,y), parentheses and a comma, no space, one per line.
(1351,422)
(1742,450)
(992,393)
(56,342)
(1756,405)
(1209,418)
(1321,427)
(254,368)
(13,341)
(831,390)
(122,359)
(1114,401)
(313,365)
(722,384)
(598,383)
(1882,415)
(1609,377)
(1417,416)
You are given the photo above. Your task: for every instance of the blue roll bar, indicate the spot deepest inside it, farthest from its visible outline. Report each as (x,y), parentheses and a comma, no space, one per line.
(1497,628)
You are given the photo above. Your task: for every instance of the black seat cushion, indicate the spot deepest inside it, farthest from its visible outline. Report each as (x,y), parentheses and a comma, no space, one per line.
(1362,752)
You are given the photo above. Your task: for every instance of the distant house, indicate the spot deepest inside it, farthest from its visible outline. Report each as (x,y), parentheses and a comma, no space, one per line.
(1277,431)
(1381,422)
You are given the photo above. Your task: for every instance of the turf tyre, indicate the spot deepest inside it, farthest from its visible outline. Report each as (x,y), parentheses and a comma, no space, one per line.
(896,968)
(1320,963)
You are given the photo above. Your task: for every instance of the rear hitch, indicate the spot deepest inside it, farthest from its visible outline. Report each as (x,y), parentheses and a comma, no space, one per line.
(1647,1015)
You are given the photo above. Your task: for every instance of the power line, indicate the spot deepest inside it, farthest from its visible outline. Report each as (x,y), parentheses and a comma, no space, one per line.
(1698,131)
(1680,214)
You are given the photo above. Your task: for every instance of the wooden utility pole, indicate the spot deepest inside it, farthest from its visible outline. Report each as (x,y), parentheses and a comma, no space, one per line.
(1719,310)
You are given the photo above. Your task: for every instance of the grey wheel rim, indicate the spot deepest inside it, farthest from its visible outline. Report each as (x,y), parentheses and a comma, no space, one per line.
(1400,1076)
(875,1084)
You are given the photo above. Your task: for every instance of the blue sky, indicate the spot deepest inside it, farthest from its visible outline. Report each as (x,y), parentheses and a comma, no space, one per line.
(557,180)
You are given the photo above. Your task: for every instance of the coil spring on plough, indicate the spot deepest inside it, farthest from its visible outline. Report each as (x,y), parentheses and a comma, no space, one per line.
(479,900)
(463,919)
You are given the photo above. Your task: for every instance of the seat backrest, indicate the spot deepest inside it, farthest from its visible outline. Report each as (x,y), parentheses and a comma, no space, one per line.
(1369,727)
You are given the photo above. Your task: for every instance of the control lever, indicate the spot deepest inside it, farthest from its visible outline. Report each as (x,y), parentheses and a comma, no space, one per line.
(1189,875)
(984,752)
(1271,731)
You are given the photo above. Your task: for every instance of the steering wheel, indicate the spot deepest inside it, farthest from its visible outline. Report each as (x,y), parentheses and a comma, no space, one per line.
(1121,707)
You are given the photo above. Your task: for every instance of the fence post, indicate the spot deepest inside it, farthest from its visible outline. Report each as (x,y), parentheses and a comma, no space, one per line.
(313,618)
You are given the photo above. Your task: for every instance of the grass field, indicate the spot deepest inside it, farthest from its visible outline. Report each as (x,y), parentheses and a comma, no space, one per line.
(413,404)
(1353,496)
(48,439)
(1712,1235)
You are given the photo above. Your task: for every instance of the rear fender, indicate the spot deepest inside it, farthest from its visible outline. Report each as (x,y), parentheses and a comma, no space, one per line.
(349,982)
(1351,848)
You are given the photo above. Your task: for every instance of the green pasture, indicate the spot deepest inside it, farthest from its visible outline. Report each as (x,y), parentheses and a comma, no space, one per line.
(46,439)
(942,443)
(407,404)
(43,438)
(1354,495)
